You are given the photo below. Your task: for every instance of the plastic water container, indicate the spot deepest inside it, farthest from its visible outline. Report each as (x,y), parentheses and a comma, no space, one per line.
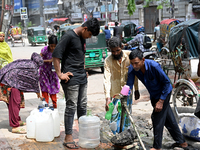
(56,122)
(89,131)
(30,125)
(44,126)
(61,104)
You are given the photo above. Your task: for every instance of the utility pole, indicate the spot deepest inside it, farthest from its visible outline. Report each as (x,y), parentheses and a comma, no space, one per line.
(106,12)
(2,14)
(172,8)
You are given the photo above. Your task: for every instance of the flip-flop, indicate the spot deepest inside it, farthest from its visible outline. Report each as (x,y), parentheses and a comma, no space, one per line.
(19,130)
(66,144)
(178,145)
(22,123)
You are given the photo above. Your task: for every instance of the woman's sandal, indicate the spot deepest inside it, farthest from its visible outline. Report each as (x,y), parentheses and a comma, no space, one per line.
(19,130)
(21,123)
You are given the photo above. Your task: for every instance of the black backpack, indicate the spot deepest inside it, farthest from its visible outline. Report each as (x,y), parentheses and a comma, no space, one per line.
(147,42)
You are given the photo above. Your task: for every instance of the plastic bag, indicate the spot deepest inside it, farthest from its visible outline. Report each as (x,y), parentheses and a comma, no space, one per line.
(190,127)
(116,116)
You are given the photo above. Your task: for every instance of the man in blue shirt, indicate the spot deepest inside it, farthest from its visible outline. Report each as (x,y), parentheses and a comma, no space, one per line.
(107,34)
(158,85)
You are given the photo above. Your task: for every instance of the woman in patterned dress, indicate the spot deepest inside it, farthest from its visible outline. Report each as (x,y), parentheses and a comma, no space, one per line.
(49,82)
(19,75)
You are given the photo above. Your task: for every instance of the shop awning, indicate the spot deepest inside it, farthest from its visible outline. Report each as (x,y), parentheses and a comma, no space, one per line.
(60,19)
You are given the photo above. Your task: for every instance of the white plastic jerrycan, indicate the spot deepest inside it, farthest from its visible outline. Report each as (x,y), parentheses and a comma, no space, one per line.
(30,125)
(61,104)
(44,126)
(89,131)
(56,122)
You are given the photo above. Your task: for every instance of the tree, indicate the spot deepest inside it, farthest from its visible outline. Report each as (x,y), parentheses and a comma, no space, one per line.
(132,5)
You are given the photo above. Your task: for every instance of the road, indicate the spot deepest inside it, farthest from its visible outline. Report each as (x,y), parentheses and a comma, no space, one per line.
(96,102)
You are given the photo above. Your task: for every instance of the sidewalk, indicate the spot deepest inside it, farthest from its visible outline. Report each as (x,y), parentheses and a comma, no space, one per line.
(141,111)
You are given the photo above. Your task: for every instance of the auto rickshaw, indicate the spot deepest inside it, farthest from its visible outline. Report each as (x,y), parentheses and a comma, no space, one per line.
(96,50)
(15,34)
(37,35)
(129,31)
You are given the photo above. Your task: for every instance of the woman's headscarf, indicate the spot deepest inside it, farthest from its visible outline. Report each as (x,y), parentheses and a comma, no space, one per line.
(5,51)
(22,74)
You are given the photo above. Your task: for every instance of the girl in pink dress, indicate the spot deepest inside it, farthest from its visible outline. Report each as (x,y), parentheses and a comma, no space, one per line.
(49,82)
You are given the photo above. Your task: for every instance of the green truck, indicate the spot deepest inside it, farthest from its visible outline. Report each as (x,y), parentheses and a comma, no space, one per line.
(96,50)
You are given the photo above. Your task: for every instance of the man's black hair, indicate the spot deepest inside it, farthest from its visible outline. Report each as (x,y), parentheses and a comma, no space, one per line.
(52,39)
(136,53)
(92,26)
(157,22)
(116,23)
(114,42)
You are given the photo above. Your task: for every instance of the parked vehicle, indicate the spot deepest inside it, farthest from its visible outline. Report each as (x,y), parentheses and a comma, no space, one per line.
(96,50)
(183,53)
(36,35)
(15,34)
(128,31)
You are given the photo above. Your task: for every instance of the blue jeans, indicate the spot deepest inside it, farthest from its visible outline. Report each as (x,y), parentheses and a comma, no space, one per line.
(76,99)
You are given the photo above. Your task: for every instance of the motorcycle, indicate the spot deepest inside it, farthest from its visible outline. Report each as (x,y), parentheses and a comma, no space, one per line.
(147,54)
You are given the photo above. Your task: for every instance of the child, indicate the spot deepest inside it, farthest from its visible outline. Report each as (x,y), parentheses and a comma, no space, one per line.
(49,82)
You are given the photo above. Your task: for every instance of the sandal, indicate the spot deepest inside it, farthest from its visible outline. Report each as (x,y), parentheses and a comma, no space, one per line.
(19,130)
(180,145)
(71,147)
(21,123)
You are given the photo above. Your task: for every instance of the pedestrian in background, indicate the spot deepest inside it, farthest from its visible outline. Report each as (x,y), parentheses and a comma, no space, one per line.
(117,31)
(159,87)
(5,52)
(49,82)
(107,34)
(19,76)
(157,38)
(71,50)
(115,77)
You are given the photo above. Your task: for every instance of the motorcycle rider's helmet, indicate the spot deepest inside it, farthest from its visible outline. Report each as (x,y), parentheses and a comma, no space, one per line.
(139,29)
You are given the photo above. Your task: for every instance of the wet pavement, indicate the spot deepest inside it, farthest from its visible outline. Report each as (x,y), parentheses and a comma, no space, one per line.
(141,112)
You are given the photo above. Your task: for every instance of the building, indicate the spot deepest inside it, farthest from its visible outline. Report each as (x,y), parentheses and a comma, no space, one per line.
(78,11)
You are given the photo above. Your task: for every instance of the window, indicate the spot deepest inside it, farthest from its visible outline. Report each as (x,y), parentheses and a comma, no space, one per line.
(91,40)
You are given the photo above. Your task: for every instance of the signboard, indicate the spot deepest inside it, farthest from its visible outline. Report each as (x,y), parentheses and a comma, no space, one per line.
(17,5)
(76,15)
(24,17)
(97,14)
(85,17)
(23,13)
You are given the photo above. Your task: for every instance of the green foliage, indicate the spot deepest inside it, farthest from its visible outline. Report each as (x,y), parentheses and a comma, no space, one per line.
(160,4)
(132,6)
(29,24)
(19,25)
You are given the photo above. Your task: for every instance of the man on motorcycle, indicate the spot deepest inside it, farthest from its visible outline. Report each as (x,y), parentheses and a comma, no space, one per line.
(138,38)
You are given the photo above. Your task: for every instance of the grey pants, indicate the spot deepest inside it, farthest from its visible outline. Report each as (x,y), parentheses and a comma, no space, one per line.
(76,99)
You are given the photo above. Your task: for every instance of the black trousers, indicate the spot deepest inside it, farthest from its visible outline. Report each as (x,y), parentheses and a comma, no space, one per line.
(165,118)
